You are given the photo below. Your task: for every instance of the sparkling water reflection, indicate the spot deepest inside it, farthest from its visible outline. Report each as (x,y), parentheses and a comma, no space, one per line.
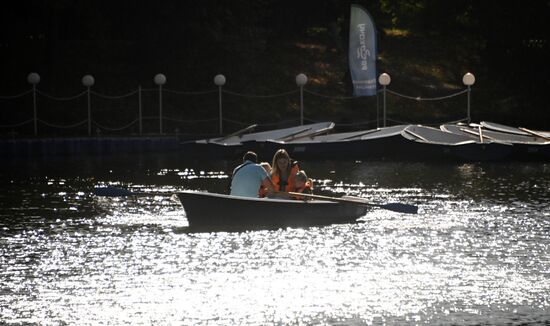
(478,252)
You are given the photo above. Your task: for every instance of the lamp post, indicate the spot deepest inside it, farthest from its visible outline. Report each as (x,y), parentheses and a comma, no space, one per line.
(34,78)
(88,81)
(219,80)
(301,80)
(384,80)
(140,113)
(160,80)
(468,79)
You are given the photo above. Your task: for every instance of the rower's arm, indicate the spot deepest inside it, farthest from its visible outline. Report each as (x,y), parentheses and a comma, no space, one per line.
(267,183)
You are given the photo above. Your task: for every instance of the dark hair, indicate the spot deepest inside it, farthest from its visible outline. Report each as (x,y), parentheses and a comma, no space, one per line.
(250,156)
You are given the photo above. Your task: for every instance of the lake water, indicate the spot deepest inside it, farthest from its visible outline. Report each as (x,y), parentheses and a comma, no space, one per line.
(478,252)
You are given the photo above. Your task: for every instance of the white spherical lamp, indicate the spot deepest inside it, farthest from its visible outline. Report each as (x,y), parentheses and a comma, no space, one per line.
(301,80)
(88,80)
(33,78)
(469,79)
(219,80)
(384,79)
(159,79)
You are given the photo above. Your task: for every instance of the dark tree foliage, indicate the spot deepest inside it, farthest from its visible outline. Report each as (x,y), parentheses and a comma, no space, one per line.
(124,43)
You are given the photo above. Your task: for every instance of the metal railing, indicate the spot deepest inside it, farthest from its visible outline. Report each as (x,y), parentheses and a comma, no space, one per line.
(99,114)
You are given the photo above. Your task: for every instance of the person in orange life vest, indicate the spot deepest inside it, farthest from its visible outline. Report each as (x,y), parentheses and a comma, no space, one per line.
(267,167)
(283,171)
(302,183)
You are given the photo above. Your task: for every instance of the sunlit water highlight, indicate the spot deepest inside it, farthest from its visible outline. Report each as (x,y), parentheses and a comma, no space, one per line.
(477,253)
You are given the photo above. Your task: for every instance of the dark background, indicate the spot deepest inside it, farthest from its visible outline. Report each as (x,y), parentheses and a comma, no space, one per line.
(260,46)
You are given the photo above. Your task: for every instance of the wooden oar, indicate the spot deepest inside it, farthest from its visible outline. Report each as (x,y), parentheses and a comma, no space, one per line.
(483,136)
(535,133)
(395,207)
(293,135)
(237,133)
(313,134)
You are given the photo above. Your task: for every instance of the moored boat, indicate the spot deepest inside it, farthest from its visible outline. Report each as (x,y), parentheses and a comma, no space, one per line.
(366,144)
(513,130)
(525,146)
(235,145)
(434,143)
(204,210)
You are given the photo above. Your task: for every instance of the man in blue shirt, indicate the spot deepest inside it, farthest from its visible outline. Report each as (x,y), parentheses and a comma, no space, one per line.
(249,177)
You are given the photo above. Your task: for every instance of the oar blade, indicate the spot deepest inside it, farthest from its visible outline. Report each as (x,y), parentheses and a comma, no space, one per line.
(396,207)
(400,208)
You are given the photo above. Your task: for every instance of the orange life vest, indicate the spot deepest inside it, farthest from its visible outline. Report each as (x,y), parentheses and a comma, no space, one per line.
(289,186)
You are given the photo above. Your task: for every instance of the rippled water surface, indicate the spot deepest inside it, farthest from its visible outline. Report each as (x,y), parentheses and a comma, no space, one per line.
(478,252)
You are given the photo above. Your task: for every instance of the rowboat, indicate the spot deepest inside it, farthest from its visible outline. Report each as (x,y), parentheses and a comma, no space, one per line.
(401,142)
(365,144)
(210,210)
(513,130)
(432,143)
(525,145)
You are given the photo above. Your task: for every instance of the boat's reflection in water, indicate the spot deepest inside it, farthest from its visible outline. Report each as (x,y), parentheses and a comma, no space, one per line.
(477,252)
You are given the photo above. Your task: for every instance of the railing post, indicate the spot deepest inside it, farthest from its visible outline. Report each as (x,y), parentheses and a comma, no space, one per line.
(140,123)
(35,117)
(88,81)
(377,110)
(89,113)
(160,109)
(33,78)
(468,108)
(384,105)
(219,80)
(301,80)
(384,80)
(160,80)
(468,79)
